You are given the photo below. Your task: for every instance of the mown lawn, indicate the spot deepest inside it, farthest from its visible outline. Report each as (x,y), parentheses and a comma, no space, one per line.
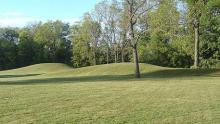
(55,93)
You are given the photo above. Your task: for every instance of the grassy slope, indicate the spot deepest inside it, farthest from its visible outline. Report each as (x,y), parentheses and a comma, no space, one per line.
(55,93)
(38,69)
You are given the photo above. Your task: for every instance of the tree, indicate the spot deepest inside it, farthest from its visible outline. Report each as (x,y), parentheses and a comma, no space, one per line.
(9,34)
(114,11)
(159,42)
(123,25)
(203,15)
(8,48)
(210,43)
(93,30)
(85,42)
(8,58)
(52,37)
(196,9)
(81,46)
(136,9)
(108,12)
(101,12)
(27,48)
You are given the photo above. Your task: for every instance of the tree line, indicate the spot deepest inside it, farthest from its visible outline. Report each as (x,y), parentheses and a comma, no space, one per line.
(173,33)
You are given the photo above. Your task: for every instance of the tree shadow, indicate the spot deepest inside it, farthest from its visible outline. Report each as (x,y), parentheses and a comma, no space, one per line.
(160,74)
(16,76)
(182,73)
(79,79)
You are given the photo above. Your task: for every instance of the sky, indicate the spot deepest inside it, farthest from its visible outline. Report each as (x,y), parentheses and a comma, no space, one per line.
(18,13)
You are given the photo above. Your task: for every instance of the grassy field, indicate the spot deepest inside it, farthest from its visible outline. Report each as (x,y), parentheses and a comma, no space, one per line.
(56,93)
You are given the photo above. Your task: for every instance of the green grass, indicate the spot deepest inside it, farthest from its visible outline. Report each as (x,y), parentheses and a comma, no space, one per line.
(56,93)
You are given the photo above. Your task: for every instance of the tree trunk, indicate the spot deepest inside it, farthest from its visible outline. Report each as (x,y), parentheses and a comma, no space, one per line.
(122,48)
(135,53)
(95,57)
(196,61)
(133,43)
(54,51)
(115,56)
(122,55)
(136,62)
(115,49)
(107,55)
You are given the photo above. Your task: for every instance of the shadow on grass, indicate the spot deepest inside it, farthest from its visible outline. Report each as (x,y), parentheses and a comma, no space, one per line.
(16,76)
(160,74)
(182,73)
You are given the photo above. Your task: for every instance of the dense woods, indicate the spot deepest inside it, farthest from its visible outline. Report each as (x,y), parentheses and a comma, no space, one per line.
(171,33)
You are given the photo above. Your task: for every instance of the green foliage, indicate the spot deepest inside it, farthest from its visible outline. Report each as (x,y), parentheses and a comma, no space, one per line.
(27,48)
(81,47)
(156,51)
(165,19)
(86,43)
(39,43)
(9,34)
(210,36)
(163,44)
(8,54)
(207,14)
(53,38)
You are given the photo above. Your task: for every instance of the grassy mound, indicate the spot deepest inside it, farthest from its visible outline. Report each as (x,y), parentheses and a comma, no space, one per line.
(56,72)
(110,69)
(38,68)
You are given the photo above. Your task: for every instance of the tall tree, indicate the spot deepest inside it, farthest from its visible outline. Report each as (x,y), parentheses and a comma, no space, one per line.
(27,48)
(8,58)
(210,43)
(51,36)
(109,12)
(93,29)
(123,25)
(114,11)
(196,9)
(136,9)
(161,36)
(101,11)
(81,47)
(86,36)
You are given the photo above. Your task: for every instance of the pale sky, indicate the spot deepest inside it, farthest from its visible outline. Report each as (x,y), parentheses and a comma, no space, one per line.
(18,13)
